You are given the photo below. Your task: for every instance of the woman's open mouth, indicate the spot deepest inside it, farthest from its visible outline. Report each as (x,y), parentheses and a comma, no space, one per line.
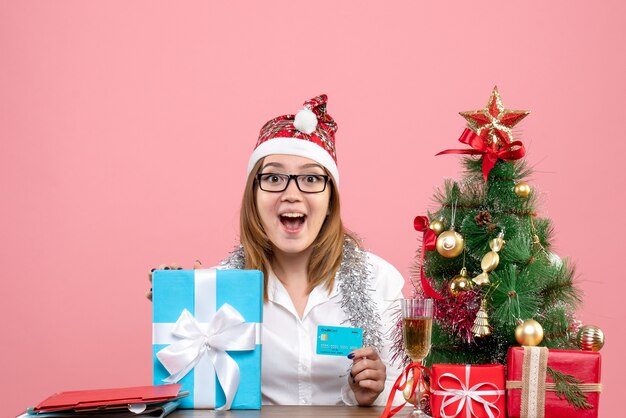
(292,221)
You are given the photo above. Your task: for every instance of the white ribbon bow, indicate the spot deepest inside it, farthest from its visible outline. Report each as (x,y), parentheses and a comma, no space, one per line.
(466,395)
(226,331)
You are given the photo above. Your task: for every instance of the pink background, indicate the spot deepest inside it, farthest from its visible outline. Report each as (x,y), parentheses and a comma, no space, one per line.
(126,129)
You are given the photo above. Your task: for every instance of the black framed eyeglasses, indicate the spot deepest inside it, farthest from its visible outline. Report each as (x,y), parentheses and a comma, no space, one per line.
(307,183)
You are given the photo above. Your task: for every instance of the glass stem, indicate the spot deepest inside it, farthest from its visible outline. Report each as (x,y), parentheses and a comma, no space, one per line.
(417,405)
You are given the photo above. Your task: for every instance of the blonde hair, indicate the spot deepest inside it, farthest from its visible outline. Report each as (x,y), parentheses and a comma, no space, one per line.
(327,247)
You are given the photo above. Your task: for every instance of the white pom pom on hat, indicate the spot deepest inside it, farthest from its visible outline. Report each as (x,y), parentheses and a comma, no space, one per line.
(305,121)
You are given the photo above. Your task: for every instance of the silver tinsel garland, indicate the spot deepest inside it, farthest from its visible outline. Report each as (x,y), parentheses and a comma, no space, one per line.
(353,279)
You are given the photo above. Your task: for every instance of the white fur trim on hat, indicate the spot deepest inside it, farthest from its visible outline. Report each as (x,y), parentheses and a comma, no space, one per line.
(295,146)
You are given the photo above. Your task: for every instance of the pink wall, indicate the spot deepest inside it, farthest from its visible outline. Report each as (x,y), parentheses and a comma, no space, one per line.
(126,128)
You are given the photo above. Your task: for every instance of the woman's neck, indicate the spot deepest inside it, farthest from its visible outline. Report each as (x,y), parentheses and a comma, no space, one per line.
(292,271)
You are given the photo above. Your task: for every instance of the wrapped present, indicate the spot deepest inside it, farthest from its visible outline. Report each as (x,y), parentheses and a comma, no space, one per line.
(463,390)
(531,388)
(207,335)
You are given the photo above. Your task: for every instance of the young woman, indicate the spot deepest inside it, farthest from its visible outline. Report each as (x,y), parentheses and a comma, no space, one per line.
(315,271)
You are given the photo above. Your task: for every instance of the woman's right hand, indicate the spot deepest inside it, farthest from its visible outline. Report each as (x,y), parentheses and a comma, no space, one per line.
(174,266)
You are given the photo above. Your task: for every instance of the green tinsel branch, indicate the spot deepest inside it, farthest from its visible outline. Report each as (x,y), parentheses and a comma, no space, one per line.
(477,236)
(555,327)
(560,286)
(544,231)
(516,250)
(514,170)
(566,386)
(513,299)
(449,195)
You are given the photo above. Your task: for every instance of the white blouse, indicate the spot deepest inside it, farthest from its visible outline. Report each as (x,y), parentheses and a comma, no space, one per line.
(292,373)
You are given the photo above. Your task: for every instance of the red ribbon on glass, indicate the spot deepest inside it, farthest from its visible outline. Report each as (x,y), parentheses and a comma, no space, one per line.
(429,241)
(513,151)
(399,385)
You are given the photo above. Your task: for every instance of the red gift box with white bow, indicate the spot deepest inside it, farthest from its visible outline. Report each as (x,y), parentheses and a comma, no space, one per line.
(460,390)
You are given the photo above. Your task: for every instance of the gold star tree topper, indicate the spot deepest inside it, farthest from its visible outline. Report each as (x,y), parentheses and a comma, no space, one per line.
(494,122)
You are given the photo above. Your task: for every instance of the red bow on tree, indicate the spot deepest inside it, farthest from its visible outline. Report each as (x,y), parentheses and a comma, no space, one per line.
(429,241)
(491,153)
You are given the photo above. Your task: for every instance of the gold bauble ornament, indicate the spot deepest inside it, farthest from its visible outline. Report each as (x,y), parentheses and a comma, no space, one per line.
(522,190)
(424,391)
(450,244)
(437,227)
(460,283)
(590,338)
(481,327)
(529,332)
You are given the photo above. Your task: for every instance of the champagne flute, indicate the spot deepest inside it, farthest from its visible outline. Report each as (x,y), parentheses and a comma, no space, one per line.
(417,322)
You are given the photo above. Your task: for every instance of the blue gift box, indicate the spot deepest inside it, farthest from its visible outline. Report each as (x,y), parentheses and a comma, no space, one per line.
(202,321)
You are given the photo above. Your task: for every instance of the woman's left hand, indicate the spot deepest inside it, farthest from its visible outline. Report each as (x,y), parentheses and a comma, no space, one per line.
(367,376)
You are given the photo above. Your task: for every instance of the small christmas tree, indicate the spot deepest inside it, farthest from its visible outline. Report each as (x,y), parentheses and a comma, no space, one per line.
(486,255)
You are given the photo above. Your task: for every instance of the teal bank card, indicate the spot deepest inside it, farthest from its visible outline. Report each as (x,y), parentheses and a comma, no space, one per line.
(338,341)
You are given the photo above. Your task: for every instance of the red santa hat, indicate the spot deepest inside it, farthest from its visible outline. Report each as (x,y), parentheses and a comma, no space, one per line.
(310,133)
